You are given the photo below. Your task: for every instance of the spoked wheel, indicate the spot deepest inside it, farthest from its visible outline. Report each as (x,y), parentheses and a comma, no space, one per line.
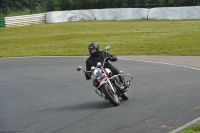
(124,96)
(112,96)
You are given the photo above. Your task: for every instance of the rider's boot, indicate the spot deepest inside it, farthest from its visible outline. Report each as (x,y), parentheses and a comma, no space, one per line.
(123,84)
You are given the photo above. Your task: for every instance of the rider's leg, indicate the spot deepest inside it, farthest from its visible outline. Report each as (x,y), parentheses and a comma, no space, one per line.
(116,72)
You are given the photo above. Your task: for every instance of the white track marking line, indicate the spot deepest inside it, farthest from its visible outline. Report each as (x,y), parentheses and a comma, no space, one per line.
(164,63)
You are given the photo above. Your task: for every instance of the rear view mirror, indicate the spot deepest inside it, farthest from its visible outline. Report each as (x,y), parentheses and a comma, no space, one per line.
(79,68)
(107,48)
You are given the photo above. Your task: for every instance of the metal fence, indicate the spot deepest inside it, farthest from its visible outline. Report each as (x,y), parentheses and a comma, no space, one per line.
(26,7)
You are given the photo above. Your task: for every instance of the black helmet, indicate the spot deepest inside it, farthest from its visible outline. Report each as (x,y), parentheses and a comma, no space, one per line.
(93,45)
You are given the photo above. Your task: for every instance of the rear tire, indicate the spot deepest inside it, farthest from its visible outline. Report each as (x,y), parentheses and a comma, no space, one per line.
(124,96)
(112,97)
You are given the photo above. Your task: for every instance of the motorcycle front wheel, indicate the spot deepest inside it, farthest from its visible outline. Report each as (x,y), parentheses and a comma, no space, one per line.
(112,96)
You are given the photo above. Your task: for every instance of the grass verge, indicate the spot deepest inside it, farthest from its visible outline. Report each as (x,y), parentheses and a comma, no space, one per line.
(130,37)
(192,129)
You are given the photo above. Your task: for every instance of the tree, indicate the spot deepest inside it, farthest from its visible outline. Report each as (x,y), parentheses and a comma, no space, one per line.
(2,7)
(66,4)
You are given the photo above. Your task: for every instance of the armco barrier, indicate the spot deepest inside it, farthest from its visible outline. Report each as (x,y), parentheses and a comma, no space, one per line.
(25,20)
(2,22)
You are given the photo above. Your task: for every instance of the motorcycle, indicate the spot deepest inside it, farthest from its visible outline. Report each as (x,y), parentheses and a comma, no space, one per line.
(107,85)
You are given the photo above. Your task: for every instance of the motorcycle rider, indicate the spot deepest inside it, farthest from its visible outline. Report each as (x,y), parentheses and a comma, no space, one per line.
(99,56)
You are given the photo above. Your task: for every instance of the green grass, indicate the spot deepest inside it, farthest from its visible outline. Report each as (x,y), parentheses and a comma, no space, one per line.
(193,129)
(138,37)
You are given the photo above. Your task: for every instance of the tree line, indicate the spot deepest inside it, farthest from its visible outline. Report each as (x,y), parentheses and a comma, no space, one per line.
(55,5)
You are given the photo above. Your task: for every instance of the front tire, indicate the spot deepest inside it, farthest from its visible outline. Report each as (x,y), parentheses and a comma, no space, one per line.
(112,97)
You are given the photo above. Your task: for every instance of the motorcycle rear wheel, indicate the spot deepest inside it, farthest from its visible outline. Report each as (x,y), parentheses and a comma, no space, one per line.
(124,96)
(111,96)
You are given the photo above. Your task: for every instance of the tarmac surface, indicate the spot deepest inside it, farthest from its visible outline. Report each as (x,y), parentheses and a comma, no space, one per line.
(47,95)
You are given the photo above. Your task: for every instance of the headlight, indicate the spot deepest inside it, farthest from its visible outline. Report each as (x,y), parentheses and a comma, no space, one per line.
(96,70)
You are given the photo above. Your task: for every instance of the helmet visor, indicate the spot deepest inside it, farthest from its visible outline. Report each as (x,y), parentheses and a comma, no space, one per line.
(92,51)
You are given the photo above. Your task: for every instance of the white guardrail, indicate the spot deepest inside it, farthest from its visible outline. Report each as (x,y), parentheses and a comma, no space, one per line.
(25,20)
(168,13)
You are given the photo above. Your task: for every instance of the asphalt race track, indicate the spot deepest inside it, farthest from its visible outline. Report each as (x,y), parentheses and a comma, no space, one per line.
(48,95)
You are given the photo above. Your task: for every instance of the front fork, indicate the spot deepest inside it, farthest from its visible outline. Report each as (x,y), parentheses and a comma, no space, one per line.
(101,93)
(111,85)
(109,82)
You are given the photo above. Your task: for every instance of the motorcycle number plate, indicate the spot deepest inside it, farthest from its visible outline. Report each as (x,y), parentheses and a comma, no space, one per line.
(102,78)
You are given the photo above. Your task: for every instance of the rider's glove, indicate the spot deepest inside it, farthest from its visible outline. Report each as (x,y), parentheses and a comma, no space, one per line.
(109,58)
(87,76)
(112,58)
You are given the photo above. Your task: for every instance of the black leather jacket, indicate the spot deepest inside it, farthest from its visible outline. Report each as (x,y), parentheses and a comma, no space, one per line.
(92,61)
